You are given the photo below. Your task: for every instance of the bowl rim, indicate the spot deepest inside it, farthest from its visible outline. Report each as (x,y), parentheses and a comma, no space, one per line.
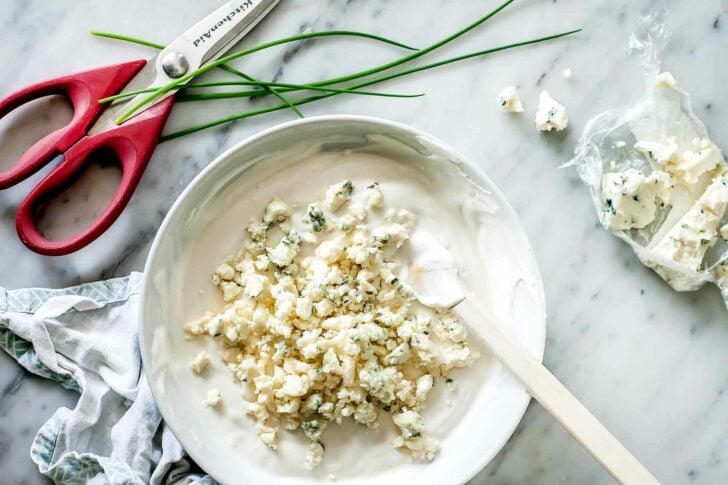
(371,120)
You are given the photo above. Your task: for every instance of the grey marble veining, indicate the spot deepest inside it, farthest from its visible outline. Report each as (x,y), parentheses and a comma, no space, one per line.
(649,362)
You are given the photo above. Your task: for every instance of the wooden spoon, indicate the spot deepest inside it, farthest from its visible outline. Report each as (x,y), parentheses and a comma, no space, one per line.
(433,277)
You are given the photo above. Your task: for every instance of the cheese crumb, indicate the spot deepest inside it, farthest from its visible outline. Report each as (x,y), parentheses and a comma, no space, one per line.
(338,194)
(550,115)
(213,399)
(276,212)
(509,101)
(315,455)
(374,197)
(200,363)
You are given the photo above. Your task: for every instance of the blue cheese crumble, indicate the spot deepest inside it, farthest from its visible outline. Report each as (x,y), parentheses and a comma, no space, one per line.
(551,116)
(317,327)
(509,101)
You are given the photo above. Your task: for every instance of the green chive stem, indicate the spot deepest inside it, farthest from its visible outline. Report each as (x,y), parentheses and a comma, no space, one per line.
(223,60)
(198,97)
(229,69)
(126,38)
(174,84)
(270,89)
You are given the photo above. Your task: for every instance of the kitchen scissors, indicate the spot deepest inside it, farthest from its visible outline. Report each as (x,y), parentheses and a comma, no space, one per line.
(93,129)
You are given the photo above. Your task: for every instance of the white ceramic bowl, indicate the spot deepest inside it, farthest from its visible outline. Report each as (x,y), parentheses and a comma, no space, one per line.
(224,443)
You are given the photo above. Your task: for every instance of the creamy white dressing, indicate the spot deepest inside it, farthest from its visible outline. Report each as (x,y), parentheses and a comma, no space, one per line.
(486,246)
(432,274)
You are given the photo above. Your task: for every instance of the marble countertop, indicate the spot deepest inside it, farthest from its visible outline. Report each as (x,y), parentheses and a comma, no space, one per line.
(649,362)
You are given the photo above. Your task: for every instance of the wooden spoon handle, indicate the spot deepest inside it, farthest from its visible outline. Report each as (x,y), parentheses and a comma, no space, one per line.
(558,401)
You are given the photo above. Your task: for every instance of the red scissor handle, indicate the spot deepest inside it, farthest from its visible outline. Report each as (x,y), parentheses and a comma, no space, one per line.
(133,143)
(83,89)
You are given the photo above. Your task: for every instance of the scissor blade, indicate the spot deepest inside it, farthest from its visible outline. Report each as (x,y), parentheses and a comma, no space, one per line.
(222,29)
(205,42)
(142,80)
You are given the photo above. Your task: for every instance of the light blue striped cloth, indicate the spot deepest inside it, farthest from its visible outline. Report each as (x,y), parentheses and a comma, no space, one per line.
(85,338)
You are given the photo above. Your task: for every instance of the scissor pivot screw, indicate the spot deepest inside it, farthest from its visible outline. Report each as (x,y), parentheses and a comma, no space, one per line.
(175,64)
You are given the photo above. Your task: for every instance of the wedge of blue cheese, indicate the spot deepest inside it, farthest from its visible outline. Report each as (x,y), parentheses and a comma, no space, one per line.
(697,230)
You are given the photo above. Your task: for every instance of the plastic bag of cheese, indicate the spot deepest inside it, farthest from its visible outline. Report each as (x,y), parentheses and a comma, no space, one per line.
(657,181)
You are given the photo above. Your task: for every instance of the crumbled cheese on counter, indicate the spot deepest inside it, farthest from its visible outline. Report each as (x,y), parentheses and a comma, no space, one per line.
(688,241)
(509,101)
(630,198)
(318,328)
(200,363)
(213,399)
(550,115)
(568,74)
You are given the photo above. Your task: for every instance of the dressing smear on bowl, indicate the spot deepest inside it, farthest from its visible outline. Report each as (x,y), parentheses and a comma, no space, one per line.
(318,326)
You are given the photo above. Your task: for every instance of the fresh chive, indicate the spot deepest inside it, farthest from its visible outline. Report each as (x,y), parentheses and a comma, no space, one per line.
(199,97)
(270,89)
(240,74)
(310,35)
(148,43)
(419,53)
(226,68)
(126,38)
(226,95)
(388,77)
(174,84)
